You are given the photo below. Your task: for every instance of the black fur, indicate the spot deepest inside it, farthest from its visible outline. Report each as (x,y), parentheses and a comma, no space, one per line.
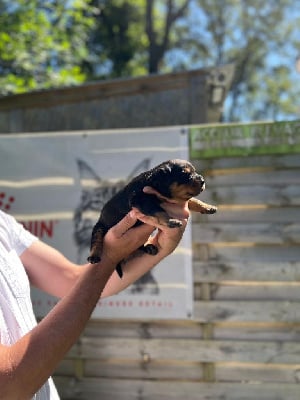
(173,179)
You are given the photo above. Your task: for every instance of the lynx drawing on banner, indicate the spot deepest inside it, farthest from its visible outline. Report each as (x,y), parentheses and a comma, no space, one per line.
(59,193)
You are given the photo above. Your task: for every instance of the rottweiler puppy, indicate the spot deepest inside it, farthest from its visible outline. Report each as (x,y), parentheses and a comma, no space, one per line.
(176,180)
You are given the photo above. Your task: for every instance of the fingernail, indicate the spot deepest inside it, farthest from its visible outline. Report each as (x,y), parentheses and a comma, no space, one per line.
(132,214)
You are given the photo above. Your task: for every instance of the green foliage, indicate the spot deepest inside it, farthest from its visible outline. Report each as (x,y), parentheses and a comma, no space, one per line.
(258,37)
(42,43)
(117,38)
(131,38)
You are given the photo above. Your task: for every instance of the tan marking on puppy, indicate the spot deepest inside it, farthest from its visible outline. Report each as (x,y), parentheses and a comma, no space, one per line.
(183,192)
(176,181)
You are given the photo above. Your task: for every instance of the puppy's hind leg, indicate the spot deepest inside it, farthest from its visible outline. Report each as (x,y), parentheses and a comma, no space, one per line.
(96,246)
(149,249)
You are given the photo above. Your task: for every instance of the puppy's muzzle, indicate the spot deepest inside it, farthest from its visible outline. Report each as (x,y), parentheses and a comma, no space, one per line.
(198,181)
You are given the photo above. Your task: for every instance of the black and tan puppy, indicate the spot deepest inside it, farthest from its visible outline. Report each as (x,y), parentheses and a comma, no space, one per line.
(175,180)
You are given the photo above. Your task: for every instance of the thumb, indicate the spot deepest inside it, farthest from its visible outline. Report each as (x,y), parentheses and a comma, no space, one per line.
(124,224)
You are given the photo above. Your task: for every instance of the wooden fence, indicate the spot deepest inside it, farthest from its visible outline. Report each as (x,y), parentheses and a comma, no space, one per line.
(243,343)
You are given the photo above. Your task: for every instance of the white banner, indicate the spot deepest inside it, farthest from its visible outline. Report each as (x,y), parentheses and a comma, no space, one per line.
(56,184)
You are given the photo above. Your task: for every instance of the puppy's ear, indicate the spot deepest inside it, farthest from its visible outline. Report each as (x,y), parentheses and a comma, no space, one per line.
(160,180)
(168,168)
(164,169)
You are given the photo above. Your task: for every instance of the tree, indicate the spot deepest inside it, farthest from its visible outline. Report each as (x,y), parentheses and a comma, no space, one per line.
(178,35)
(116,40)
(160,39)
(46,43)
(132,37)
(42,43)
(257,36)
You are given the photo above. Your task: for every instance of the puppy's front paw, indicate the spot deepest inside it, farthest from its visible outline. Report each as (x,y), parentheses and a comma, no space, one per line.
(93,259)
(174,223)
(211,210)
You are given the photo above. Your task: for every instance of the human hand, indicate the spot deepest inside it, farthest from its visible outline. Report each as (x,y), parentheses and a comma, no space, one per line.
(122,239)
(178,210)
(166,239)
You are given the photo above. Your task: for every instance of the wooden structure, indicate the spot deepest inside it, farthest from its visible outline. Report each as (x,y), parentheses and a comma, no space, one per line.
(243,342)
(191,97)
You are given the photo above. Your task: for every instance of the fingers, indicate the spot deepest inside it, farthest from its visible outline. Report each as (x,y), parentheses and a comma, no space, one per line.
(175,210)
(167,239)
(124,225)
(150,190)
(154,221)
(123,238)
(146,219)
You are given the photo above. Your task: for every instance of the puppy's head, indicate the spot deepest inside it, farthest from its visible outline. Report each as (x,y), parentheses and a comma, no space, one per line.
(177,180)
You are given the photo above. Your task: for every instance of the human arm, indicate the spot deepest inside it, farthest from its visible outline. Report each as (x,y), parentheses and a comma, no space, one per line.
(27,364)
(53,273)
(166,240)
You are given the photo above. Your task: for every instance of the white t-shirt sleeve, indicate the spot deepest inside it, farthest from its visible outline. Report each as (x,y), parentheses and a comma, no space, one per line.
(18,238)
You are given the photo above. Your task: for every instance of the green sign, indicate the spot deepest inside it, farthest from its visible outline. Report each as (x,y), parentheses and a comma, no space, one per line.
(227,140)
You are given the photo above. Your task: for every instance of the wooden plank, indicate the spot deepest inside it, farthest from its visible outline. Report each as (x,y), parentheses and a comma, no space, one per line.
(265,176)
(138,370)
(100,90)
(261,331)
(257,373)
(274,291)
(247,311)
(154,351)
(245,252)
(276,161)
(143,329)
(193,330)
(234,371)
(275,195)
(220,271)
(257,232)
(254,213)
(107,389)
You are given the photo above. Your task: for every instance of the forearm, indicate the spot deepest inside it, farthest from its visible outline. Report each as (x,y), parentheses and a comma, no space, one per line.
(132,270)
(25,366)
(43,261)
(53,273)
(140,262)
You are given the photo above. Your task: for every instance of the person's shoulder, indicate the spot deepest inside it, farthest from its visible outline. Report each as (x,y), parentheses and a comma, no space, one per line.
(6,218)
(14,233)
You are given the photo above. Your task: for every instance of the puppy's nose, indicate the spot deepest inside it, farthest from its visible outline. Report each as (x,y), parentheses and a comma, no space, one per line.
(199,178)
